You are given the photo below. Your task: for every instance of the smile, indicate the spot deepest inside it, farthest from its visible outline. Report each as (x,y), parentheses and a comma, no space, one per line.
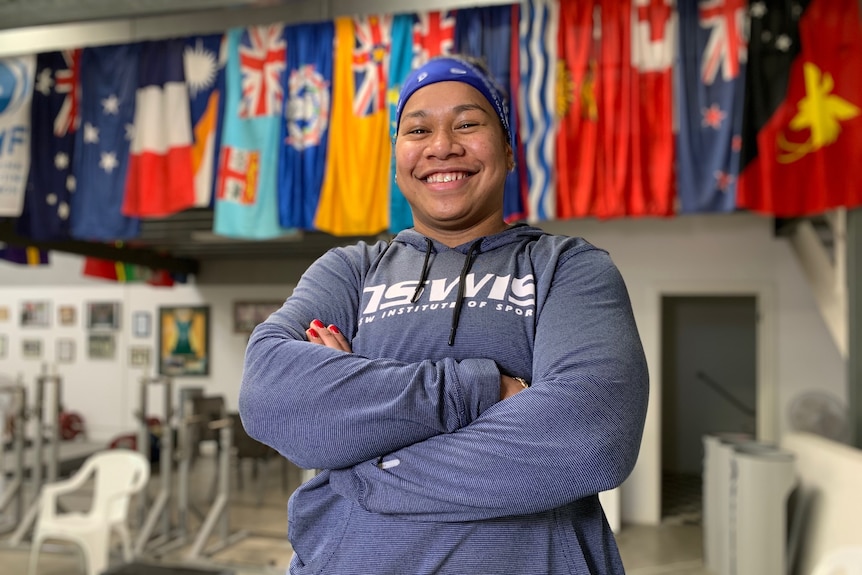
(446,177)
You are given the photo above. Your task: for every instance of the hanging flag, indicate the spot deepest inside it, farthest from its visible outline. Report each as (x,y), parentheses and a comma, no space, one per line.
(160,181)
(16,94)
(403,57)
(578,78)
(804,131)
(109,76)
(305,129)
(712,56)
(55,117)
(490,33)
(355,191)
(204,61)
(538,36)
(24,255)
(246,201)
(653,46)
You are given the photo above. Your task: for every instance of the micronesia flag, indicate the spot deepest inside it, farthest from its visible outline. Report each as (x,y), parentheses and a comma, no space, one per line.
(488,33)
(712,56)
(246,202)
(160,181)
(401,61)
(55,118)
(204,58)
(109,78)
(16,94)
(540,21)
(305,126)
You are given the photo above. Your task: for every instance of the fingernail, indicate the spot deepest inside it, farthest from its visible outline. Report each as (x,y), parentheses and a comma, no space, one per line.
(333,329)
(312,333)
(317,323)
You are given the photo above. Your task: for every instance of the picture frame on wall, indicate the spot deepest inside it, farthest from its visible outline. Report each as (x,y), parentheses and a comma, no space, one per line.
(4,344)
(184,340)
(4,313)
(35,313)
(247,314)
(101,346)
(141,324)
(31,348)
(103,315)
(66,315)
(139,356)
(65,350)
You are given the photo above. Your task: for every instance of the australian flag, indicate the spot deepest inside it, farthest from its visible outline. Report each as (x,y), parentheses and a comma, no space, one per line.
(712,55)
(55,118)
(109,77)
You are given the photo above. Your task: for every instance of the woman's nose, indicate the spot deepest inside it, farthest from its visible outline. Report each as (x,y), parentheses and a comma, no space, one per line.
(444,143)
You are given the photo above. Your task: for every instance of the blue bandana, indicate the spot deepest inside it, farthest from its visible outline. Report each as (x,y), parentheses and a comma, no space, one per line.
(449,69)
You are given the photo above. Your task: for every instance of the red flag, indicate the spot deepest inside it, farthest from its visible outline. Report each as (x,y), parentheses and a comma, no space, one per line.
(798,164)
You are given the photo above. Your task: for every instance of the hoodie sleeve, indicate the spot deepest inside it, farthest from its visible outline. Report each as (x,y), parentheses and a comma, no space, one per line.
(325,409)
(575,432)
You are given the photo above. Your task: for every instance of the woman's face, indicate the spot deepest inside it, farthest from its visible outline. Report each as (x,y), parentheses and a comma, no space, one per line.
(451,159)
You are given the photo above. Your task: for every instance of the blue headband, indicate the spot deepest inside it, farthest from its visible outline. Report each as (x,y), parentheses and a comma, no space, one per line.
(449,69)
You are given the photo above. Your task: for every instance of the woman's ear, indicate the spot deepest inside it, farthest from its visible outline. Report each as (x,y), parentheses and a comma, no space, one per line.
(510,157)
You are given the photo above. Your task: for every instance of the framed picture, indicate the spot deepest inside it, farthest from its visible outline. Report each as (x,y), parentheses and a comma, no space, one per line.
(139,356)
(31,348)
(247,314)
(103,315)
(101,346)
(141,324)
(184,340)
(35,314)
(66,314)
(65,350)
(3,346)
(4,313)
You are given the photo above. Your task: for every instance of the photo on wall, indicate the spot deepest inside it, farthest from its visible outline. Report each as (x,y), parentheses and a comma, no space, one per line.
(3,346)
(66,315)
(103,315)
(65,350)
(184,340)
(247,314)
(139,356)
(31,348)
(101,346)
(35,314)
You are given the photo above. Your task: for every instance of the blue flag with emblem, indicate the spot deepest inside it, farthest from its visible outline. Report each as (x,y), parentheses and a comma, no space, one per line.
(109,79)
(712,57)
(305,125)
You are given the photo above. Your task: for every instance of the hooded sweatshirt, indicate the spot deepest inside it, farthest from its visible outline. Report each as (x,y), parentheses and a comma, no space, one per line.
(424,469)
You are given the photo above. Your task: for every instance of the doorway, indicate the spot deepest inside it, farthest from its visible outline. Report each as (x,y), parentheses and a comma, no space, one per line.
(709,385)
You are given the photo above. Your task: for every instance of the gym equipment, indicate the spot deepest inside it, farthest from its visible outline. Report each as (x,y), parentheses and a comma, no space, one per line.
(15,404)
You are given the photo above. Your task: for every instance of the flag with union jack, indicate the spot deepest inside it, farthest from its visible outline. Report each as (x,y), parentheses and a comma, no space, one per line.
(246,198)
(433,35)
(354,197)
(711,61)
(55,117)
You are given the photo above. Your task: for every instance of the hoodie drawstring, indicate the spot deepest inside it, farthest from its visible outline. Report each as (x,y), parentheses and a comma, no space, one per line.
(456,314)
(424,275)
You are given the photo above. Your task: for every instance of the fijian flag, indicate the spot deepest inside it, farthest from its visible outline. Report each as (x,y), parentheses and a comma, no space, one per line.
(55,117)
(305,126)
(109,77)
(712,57)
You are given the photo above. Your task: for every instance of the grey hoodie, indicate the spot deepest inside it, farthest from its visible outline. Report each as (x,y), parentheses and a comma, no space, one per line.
(425,469)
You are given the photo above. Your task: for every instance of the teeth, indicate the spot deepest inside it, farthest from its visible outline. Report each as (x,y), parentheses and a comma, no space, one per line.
(442,178)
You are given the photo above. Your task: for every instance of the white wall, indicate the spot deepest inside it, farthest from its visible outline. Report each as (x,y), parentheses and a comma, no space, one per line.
(720,254)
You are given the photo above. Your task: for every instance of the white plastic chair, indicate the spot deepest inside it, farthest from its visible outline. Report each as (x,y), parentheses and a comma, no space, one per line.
(841,561)
(119,474)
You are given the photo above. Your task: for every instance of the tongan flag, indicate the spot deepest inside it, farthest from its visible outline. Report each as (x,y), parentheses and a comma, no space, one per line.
(55,118)
(109,78)
(712,56)
(355,192)
(160,180)
(488,33)
(400,64)
(246,202)
(16,94)
(540,22)
(204,58)
(305,129)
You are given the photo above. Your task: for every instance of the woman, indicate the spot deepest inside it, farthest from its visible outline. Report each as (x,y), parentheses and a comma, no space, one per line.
(467,388)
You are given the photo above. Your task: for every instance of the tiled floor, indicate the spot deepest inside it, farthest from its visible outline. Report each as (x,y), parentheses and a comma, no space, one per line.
(258,524)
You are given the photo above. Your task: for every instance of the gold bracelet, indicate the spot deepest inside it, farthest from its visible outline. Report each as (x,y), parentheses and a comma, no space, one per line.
(522,381)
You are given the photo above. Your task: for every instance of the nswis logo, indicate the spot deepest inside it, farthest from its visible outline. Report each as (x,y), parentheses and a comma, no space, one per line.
(15,91)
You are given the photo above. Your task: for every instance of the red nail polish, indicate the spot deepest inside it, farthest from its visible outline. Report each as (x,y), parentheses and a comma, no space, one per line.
(317,323)
(333,329)
(313,333)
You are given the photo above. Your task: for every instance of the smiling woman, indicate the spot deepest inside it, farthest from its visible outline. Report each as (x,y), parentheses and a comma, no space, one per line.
(469,387)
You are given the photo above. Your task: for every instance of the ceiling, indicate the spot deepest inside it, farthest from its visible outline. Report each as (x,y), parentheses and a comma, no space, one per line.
(183,241)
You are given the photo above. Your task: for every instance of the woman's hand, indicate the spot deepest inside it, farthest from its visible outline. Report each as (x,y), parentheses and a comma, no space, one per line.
(327,336)
(509,386)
